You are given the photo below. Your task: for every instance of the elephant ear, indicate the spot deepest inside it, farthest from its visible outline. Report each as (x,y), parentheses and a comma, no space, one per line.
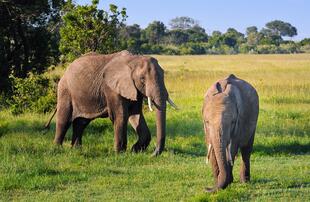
(117,75)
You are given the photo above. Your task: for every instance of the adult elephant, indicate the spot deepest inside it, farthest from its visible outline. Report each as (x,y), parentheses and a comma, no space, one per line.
(230,112)
(113,86)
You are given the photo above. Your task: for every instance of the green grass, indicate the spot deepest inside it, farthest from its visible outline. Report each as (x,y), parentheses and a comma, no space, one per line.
(33,169)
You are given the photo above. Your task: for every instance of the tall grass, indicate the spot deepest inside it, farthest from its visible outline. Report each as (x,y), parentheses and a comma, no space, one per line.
(32,169)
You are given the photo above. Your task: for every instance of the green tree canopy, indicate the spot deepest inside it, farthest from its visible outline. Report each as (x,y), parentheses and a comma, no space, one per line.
(130,37)
(252,29)
(281,28)
(183,23)
(232,37)
(87,28)
(154,32)
(197,34)
(177,37)
(28,37)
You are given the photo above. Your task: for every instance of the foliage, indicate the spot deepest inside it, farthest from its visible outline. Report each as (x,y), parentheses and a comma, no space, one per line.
(281,28)
(305,41)
(87,28)
(130,38)
(33,169)
(154,32)
(36,93)
(187,37)
(183,23)
(305,48)
(28,37)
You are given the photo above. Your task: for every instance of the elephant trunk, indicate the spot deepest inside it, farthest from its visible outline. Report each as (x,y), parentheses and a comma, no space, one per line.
(160,103)
(223,178)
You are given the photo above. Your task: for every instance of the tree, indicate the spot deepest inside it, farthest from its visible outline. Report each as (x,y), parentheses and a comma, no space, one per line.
(305,41)
(269,37)
(215,40)
(177,37)
(130,37)
(252,29)
(87,28)
(197,34)
(28,37)
(232,37)
(154,32)
(182,23)
(281,28)
(253,36)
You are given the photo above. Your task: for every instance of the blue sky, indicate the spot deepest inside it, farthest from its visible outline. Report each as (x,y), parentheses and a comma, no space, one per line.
(217,15)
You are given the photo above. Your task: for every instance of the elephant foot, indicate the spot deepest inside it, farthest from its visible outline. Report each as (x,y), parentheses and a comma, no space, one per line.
(77,146)
(138,148)
(244,179)
(57,142)
(157,152)
(210,189)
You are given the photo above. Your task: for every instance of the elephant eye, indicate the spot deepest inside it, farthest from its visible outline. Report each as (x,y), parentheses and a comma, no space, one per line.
(142,79)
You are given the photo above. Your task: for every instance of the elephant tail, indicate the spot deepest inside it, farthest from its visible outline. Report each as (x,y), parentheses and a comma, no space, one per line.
(47,125)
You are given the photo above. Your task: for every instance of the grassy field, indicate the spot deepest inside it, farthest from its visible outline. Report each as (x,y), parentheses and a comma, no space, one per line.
(32,169)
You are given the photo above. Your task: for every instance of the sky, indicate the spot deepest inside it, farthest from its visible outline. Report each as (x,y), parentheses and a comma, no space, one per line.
(217,14)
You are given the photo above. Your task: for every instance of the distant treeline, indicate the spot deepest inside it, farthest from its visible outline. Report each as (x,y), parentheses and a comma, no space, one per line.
(37,34)
(185,36)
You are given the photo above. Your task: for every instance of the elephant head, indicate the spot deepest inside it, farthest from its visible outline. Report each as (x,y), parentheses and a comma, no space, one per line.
(129,75)
(220,114)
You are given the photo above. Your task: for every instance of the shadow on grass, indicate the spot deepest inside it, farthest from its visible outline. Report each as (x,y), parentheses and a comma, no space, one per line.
(288,130)
(35,126)
(231,193)
(46,180)
(193,151)
(26,126)
(286,149)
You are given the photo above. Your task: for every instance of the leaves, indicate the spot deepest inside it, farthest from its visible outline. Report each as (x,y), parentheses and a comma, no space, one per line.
(87,28)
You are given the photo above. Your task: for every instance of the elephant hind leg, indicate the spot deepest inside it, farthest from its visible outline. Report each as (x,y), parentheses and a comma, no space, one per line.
(245,166)
(138,123)
(79,124)
(63,122)
(63,116)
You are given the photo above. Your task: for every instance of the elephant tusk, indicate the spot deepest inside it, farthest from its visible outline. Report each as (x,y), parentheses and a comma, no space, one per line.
(172,103)
(149,101)
(208,155)
(229,157)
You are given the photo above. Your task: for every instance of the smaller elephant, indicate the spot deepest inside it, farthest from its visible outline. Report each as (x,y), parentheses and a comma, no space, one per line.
(230,112)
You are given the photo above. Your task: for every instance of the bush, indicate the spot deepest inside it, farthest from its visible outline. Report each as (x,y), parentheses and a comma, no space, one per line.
(245,48)
(192,49)
(34,93)
(305,48)
(289,48)
(266,49)
(171,50)
(3,127)
(151,49)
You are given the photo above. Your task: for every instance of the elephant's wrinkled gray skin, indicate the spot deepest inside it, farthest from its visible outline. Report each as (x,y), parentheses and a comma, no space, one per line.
(230,112)
(113,86)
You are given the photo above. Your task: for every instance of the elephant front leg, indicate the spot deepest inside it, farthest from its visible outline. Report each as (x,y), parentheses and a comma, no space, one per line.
(138,122)
(79,125)
(120,133)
